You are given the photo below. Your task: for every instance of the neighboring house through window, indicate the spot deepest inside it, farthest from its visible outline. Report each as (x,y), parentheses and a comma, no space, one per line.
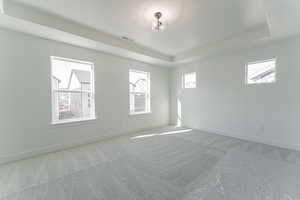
(72,90)
(261,72)
(139,92)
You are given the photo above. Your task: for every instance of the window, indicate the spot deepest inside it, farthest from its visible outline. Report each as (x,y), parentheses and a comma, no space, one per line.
(72,90)
(189,80)
(139,92)
(261,72)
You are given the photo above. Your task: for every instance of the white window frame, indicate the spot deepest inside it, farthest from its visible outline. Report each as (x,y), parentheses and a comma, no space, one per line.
(148,93)
(54,120)
(183,80)
(256,62)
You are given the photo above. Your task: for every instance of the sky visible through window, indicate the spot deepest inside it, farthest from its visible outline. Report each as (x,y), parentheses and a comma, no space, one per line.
(62,69)
(139,91)
(73,90)
(189,80)
(261,72)
(138,81)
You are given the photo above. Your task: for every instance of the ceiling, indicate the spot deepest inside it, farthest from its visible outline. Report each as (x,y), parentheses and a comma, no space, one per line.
(191,24)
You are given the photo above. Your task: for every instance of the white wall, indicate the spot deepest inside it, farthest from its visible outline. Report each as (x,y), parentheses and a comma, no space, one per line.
(25,97)
(222,103)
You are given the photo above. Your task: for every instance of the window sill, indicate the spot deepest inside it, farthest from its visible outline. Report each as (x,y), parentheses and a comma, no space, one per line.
(139,113)
(73,121)
(263,83)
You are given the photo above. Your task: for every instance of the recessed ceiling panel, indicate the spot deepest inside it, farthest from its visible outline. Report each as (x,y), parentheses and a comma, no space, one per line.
(189,23)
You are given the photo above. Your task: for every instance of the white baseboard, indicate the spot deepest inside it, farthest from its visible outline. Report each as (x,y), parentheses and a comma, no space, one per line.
(251,138)
(60,147)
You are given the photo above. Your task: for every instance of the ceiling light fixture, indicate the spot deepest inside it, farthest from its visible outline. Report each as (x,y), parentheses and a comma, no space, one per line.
(157,24)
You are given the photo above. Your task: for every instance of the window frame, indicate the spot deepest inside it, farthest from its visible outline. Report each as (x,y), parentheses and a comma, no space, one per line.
(54,120)
(261,61)
(183,80)
(148,93)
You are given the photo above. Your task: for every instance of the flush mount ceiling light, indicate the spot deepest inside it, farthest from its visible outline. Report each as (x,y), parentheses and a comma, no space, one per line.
(157,24)
(167,12)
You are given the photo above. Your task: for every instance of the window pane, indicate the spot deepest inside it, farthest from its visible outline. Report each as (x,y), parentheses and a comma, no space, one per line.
(138,102)
(261,72)
(139,91)
(189,80)
(71,72)
(72,86)
(138,81)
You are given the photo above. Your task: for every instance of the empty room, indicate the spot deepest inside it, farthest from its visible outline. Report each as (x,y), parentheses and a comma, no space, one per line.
(149,100)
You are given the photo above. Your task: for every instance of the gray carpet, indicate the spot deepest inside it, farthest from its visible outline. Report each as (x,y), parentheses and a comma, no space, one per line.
(163,164)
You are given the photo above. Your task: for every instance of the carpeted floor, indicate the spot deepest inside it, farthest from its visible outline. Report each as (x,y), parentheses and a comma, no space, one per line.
(162,164)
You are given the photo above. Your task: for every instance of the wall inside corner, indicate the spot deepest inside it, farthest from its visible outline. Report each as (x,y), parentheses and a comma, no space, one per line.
(25,103)
(224,104)
(1,6)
